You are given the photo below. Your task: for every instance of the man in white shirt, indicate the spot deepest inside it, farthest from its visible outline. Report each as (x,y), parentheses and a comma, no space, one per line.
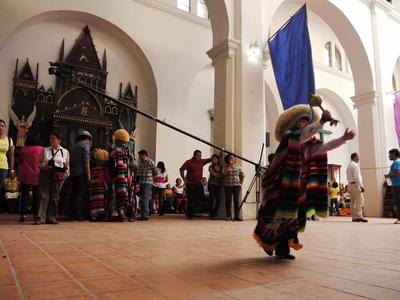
(355,189)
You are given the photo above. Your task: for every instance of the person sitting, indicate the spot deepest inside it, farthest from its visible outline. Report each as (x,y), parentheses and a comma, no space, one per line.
(11,190)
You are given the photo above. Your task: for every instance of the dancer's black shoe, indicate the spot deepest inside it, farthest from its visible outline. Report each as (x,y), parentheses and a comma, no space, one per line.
(286,256)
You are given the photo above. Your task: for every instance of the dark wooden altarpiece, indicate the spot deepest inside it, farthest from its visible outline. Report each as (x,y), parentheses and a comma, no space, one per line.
(69,108)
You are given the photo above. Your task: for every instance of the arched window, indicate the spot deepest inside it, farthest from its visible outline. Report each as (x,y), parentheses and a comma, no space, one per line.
(338,59)
(328,54)
(184,5)
(202,9)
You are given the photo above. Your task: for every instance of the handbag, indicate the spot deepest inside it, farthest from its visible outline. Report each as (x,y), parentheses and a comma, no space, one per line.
(58,172)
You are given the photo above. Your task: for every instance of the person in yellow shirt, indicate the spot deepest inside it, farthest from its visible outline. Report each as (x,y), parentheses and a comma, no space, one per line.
(169,198)
(6,158)
(6,148)
(334,202)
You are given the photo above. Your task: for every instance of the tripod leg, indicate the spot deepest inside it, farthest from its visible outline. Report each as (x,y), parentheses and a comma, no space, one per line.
(248,191)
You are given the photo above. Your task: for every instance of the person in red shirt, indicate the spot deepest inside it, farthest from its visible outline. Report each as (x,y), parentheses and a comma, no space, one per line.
(192,179)
(28,175)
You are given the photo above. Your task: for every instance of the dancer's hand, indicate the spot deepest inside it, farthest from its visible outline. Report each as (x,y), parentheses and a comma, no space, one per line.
(326,117)
(348,135)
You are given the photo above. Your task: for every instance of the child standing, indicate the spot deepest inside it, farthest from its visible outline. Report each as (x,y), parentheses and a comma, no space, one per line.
(168,199)
(179,196)
(98,186)
(159,185)
(333,195)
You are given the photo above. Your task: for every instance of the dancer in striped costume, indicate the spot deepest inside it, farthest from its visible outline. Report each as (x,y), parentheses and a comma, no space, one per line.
(99,183)
(296,182)
(121,166)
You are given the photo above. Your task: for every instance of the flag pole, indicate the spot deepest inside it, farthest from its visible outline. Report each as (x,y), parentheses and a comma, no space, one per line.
(280,28)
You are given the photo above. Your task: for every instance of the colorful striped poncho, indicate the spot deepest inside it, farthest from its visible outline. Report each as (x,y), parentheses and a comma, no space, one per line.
(98,190)
(121,176)
(295,188)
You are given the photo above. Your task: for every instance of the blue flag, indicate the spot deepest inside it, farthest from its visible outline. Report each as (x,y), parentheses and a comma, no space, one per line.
(291,56)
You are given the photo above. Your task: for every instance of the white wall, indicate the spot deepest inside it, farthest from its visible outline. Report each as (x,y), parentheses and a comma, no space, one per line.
(41,43)
(175,48)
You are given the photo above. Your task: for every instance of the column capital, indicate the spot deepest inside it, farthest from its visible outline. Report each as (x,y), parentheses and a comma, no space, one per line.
(224,50)
(369,98)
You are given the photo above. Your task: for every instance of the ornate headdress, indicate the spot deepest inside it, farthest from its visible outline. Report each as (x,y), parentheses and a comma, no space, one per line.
(289,118)
(121,135)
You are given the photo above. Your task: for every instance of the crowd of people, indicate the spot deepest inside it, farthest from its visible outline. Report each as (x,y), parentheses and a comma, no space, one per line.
(112,185)
(99,184)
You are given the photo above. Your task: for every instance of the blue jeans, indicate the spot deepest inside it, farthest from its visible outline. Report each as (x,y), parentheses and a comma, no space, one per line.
(25,189)
(79,197)
(229,192)
(396,199)
(3,175)
(215,199)
(194,193)
(145,189)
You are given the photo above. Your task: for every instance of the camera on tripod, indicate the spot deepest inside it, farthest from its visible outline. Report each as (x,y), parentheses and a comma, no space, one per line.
(60,69)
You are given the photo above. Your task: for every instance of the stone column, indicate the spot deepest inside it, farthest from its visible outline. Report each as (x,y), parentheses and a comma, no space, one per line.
(223,60)
(370,150)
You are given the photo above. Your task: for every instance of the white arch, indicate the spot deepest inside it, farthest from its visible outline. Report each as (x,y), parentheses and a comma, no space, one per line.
(219,20)
(103,24)
(340,105)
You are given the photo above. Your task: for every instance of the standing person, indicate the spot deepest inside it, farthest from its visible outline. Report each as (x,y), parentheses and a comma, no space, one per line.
(99,185)
(121,167)
(334,199)
(54,169)
(169,199)
(296,183)
(192,179)
(233,180)
(355,189)
(215,185)
(394,176)
(80,174)
(28,174)
(6,153)
(159,185)
(179,196)
(146,172)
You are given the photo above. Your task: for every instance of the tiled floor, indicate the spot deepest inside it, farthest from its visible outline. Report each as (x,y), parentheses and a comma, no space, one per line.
(173,258)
